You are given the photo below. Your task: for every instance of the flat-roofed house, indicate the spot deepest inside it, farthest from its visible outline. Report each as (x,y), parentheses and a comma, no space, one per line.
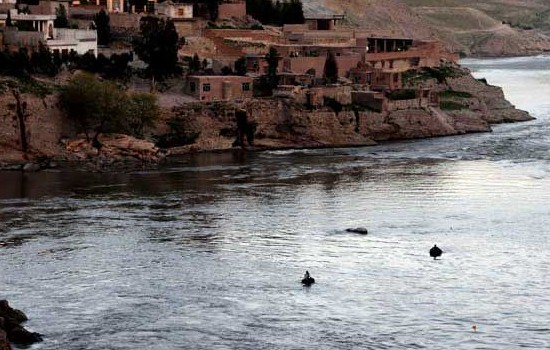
(219,87)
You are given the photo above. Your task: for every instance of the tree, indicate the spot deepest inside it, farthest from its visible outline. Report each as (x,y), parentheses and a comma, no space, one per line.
(101,23)
(330,71)
(61,20)
(9,23)
(141,113)
(158,46)
(42,61)
(94,105)
(21,114)
(278,13)
(240,66)
(272,59)
(195,64)
(213,9)
(101,106)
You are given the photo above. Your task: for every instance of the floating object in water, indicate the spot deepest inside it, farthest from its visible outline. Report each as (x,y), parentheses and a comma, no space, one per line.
(360,230)
(474,328)
(435,252)
(308,280)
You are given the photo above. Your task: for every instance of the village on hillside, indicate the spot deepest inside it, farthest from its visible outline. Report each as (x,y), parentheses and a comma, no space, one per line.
(255,68)
(232,47)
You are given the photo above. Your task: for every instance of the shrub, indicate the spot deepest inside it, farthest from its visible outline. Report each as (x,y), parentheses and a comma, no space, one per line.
(403,94)
(101,106)
(453,93)
(451,106)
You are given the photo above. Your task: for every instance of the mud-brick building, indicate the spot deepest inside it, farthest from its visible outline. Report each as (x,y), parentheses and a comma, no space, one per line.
(219,87)
(375,78)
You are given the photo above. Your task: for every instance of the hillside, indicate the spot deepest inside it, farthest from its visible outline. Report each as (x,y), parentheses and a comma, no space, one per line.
(488,28)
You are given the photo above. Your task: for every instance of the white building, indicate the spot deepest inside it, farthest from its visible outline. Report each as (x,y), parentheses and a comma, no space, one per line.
(63,40)
(81,41)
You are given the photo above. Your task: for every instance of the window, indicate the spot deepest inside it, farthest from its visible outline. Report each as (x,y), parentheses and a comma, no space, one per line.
(246,86)
(181,12)
(391,64)
(206,87)
(192,86)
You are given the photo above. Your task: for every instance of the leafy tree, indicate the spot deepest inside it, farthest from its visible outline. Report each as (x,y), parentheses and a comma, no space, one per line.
(278,13)
(61,20)
(226,70)
(272,59)
(141,113)
(101,106)
(158,45)
(195,65)
(240,66)
(213,9)
(42,61)
(330,72)
(101,23)
(96,106)
(9,23)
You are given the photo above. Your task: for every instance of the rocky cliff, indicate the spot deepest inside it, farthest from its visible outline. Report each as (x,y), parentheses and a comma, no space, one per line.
(467,105)
(11,329)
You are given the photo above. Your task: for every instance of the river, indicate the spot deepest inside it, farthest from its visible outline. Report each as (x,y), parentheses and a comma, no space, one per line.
(208,253)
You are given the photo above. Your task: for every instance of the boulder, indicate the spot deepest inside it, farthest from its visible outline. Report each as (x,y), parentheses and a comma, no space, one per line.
(11,329)
(360,230)
(4,343)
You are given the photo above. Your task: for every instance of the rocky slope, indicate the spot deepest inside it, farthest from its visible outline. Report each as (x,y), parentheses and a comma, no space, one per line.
(481,28)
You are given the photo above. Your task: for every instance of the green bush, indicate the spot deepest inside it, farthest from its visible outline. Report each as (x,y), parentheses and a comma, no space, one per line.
(453,93)
(336,106)
(102,106)
(451,106)
(403,94)
(181,134)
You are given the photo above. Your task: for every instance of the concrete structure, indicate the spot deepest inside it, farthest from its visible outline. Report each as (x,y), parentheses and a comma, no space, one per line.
(181,15)
(322,21)
(111,5)
(40,23)
(49,7)
(63,40)
(174,10)
(219,87)
(78,40)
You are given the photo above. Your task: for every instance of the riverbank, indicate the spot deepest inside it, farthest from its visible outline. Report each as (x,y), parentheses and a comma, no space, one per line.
(465,105)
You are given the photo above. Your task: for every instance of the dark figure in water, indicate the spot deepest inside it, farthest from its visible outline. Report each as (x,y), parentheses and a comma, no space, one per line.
(308,280)
(435,252)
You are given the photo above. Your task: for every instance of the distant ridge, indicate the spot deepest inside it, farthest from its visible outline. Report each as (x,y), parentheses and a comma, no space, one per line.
(495,28)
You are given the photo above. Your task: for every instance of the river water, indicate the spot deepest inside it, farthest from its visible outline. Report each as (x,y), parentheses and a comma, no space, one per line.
(209,252)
